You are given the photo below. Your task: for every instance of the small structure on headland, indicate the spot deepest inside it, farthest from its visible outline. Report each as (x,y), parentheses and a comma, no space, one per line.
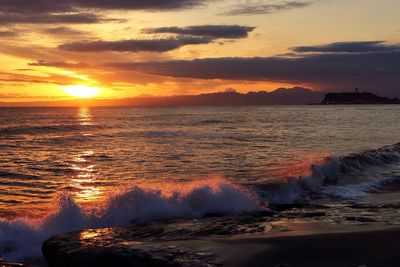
(361,98)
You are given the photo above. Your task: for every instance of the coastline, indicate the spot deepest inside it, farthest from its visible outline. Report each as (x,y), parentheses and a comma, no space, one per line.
(369,248)
(301,243)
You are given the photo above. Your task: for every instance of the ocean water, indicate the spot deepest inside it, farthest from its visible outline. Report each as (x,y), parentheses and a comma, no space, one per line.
(64,169)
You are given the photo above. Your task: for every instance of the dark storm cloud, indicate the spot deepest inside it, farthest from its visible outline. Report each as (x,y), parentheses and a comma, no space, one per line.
(216,31)
(135,45)
(379,69)
(347,47)
(257,8)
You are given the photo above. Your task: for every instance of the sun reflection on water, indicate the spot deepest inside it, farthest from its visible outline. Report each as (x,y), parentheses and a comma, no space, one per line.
(84,116)
(85,180)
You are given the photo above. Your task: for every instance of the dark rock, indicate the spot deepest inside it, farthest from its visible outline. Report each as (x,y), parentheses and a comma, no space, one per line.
(150,244)
(117,247)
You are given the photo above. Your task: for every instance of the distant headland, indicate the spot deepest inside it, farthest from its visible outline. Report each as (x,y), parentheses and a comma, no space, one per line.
(357,98)
(229,97)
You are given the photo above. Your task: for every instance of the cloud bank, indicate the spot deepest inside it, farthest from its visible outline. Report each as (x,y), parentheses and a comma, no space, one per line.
(47,6)
(192,35)
(90,11)
(347,47)
(375,69)
(267,7)
(73,18)
(79,11)
(216,31)
(135,45)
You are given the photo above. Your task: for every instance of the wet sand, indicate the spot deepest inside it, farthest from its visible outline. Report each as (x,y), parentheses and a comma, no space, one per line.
(286,243)
(358,245)
(376,248)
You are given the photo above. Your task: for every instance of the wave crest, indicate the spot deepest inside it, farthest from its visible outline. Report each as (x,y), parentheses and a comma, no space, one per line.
(324,177)
(327,177)
(23,237)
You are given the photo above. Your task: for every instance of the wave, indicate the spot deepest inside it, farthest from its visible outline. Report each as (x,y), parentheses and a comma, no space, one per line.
(15,175)
(211,121)
(22,238)
(328,177)
(352,191)
(325,177)
(301,188)
(45,129)
(377,157)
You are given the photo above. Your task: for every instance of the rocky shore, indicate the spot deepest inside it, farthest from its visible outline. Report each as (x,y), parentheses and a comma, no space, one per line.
(151,244)
(119,247)
(297,235)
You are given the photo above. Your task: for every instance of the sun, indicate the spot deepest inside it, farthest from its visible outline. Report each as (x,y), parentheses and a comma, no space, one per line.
(82,91)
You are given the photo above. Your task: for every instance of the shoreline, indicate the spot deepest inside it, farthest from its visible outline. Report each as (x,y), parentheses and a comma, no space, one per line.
(370,248)
(288,244)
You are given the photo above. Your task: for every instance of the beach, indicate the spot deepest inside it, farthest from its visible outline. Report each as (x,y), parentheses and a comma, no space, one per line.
(286,244)
(371,248)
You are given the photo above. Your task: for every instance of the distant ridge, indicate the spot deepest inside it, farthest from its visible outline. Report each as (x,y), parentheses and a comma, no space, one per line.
(357,98)
(281,96)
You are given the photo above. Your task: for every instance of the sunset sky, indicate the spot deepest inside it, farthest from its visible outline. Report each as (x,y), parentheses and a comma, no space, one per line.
(53,50)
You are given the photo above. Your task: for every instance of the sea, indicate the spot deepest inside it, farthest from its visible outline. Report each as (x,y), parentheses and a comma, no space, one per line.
(65,169)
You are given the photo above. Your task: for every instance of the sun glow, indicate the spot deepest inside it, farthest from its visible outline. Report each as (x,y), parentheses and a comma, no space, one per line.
(82,91)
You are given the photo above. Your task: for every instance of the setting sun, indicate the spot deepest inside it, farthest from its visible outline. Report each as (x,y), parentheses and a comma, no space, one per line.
(82,91)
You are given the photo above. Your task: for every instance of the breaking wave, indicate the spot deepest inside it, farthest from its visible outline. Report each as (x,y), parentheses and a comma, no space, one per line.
(339,178)
(23,238)
(327,177)
(377,157)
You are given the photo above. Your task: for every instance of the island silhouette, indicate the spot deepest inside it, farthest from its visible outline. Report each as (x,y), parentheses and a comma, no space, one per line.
(357,98)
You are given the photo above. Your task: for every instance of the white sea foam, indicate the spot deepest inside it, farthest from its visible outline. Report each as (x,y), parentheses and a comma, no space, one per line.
(298,188)
(326,176)
(23,237)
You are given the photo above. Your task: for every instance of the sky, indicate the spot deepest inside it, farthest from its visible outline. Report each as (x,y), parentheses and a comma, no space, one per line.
(56,50)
